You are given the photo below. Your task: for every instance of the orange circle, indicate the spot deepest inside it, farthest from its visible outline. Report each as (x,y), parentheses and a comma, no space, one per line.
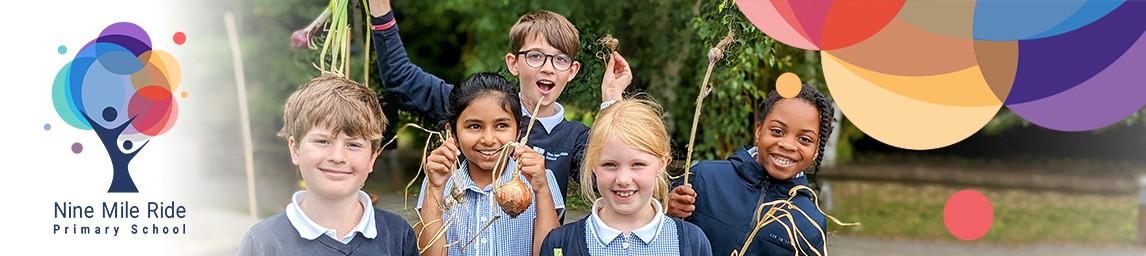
(183,94)
(788,85)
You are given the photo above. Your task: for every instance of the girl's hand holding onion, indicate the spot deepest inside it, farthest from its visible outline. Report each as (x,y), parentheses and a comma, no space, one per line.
(441,163)
(532,166)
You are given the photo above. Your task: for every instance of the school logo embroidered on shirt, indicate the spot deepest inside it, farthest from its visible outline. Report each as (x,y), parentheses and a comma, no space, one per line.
(554,157)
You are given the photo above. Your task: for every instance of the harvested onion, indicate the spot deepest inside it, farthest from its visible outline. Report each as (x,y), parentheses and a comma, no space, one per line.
(514,197)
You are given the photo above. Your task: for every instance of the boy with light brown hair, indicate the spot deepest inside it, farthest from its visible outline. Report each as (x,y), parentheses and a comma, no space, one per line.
(333,127)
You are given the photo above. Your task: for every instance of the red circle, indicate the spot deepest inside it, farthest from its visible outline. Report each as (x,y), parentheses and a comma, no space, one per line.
(153,109)
(179,38)
(968,215)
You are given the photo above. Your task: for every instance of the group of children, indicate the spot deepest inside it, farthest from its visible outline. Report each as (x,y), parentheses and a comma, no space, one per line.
(333,127)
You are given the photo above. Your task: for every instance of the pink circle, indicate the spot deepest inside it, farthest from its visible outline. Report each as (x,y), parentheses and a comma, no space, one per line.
(968,215)
(77,147)
(179,38)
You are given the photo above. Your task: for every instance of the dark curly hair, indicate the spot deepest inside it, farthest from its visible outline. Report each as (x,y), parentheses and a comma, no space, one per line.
(811,96)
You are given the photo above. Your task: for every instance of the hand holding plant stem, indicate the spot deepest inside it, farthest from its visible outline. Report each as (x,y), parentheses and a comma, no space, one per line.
(714,54)
(618,75)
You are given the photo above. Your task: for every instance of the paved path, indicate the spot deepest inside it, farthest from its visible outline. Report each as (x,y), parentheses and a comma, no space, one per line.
(856,246)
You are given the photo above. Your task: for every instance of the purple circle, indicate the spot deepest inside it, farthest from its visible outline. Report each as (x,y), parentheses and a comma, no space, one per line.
(127,35)
(77,148)
(47,127)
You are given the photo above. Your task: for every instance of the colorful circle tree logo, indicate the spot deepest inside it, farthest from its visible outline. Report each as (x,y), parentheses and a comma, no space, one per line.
(927,74)
(121,88)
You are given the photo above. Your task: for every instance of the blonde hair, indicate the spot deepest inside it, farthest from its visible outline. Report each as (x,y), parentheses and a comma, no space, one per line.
(637,123)
(336,103)
(557,31)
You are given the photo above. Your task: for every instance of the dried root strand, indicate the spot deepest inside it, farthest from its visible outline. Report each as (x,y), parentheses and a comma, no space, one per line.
(609,42)
(714,55)
(483,228)
(422,225)
(518,197)
(422,163)
(717,52)
(782,207)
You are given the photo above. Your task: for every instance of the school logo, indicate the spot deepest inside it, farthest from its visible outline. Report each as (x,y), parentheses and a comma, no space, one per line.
(122,89)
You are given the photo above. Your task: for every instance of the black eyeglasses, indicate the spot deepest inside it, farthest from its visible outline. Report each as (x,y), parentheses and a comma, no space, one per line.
(535,59)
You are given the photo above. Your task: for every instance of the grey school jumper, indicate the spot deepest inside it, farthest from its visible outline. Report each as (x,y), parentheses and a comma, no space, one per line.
(276,236)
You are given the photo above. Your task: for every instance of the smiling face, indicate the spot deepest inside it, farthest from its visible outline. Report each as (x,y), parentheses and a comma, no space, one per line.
(626,177)
(334,166)
(788,138)
(540,81)
(482,129)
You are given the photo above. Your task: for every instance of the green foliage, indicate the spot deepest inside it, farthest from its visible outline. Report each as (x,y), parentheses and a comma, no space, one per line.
(740,81)
(665,42)
(274,69)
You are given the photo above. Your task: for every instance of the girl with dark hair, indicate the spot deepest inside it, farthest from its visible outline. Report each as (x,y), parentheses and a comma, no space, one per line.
(790,135)
(484,117)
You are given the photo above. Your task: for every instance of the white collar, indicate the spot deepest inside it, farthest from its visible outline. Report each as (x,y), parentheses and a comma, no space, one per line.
(310,230)
(647,233)
(549,122)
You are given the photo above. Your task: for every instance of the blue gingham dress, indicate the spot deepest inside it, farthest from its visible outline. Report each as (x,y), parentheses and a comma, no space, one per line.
(506,236)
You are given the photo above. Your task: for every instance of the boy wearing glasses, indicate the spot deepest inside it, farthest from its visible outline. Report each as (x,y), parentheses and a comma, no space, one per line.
(543,56)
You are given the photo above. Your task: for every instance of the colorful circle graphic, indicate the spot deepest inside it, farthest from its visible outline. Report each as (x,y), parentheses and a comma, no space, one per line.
(118,78)
(927,74)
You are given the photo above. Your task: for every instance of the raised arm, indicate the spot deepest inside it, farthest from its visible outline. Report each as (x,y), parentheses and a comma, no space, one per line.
(420,92)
